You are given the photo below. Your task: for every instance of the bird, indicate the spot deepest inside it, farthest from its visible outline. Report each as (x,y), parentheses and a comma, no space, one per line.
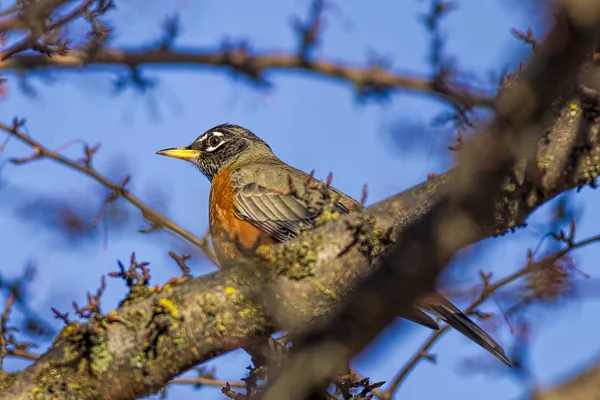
(248,202)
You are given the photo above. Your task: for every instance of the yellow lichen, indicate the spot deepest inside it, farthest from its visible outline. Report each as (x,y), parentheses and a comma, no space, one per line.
(326,216)
(37,393)
(67,331)
(169,307)
(230,291)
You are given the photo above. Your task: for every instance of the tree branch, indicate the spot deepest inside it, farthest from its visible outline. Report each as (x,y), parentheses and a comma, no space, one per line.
(156,219)
(544,264)
(202,381)
(219,312)
(158,333)
(427,245)
(370,79)
(582,386)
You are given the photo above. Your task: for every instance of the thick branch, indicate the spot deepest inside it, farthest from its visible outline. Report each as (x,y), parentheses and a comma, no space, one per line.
(583,386)
(427,245)
(220,314)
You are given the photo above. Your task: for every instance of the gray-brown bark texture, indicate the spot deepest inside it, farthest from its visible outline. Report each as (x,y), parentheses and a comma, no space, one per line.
(194,319)
(463,213)
(158,333)
(582,386)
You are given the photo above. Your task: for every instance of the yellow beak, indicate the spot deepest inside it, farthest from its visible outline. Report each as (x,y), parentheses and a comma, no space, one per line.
(180,152)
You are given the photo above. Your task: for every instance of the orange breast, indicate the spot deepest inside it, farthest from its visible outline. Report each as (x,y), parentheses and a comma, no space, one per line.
(232,237)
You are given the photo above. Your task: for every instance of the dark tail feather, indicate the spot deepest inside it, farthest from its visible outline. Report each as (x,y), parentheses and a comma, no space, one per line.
(459,321)
(418,316)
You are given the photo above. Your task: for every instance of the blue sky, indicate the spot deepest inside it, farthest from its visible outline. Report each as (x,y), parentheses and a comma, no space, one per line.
(311,123)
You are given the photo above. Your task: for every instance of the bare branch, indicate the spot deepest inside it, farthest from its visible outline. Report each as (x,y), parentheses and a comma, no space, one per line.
(487,291)
(254,66)
(583,385)
(156,219)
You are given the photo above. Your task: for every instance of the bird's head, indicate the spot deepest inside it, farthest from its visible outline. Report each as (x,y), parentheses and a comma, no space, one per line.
(220,147)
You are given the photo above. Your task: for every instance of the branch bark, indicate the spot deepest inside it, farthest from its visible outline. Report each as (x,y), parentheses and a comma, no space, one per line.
(254,66)
(217,313)
(583,386)
(427,245)
(158,333)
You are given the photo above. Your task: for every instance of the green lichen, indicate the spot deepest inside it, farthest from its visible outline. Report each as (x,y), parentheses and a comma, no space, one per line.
(139,361)
(249,309)
(297,260)
(369,238)
(37,393)
(546,160)
(222,322)
(254,270)
(136,294)
(320,287)
(48,375)
(326,216)
(136,316)
(238,299)
(51,382)
(179,342)
(591,170)
(73,328)
(164,326)
(71,351)
(6,380)
(100,358)
(208,303)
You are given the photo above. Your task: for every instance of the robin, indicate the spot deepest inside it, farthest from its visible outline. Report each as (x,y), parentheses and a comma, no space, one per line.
(249,201)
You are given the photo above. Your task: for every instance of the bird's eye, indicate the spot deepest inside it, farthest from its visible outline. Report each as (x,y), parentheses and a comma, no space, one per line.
(214,141)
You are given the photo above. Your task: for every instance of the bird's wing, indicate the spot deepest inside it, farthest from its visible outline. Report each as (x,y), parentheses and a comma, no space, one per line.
(439,306)
(261,199)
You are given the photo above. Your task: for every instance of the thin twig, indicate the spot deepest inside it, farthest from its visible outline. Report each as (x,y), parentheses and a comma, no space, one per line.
(207,381)
(375,391)
(73,14)
(485,294)
(156,218)
(22,354)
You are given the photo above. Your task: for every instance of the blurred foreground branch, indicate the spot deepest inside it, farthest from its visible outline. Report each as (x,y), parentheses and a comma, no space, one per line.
(551,265)
(582,386)
(428,244)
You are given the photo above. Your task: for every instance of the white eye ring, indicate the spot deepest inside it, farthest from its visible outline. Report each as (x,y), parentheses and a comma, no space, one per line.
(214,144)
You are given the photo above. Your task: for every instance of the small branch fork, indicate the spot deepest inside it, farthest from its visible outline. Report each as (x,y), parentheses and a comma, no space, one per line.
(9,346)
(43,30)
